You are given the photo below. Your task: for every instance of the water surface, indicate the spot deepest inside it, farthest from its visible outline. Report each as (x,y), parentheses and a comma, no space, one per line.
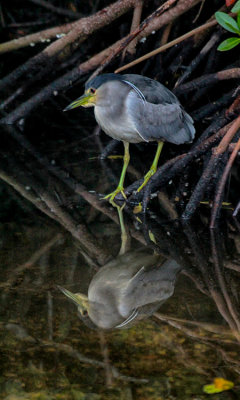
(162,318)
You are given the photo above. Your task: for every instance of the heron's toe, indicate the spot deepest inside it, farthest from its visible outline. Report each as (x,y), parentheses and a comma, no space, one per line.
(111,196)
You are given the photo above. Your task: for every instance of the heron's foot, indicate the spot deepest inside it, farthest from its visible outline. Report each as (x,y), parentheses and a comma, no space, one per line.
(149,174)
(111,196)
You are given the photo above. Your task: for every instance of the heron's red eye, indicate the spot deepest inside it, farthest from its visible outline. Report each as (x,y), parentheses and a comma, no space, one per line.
(92,90)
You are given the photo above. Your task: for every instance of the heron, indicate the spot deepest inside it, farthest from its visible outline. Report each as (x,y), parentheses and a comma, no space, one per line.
(134,108)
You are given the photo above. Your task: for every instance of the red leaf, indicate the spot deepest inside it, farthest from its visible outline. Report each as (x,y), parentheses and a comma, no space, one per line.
(230,2)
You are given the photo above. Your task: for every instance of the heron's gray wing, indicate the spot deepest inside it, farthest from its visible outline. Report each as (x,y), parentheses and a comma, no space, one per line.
(160,121)
(149,286)
(153,91)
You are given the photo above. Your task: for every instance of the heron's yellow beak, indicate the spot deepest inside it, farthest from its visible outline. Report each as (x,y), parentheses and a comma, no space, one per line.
(79,299)
(86,100)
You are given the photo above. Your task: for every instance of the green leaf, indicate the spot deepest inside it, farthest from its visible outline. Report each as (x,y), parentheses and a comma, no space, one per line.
(229,44)
(238,19)
(236,7)
(227,22)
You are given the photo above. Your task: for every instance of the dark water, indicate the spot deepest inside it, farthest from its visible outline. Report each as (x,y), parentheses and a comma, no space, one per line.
(161,319)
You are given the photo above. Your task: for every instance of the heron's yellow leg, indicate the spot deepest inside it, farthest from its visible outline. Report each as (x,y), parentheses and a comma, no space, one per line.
(120,188)
(153,168)
(125,238)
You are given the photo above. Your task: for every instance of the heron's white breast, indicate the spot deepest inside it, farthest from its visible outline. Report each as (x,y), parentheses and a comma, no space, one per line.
(119,127)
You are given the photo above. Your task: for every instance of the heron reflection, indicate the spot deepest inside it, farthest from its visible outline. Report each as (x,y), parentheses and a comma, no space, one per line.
(127,289)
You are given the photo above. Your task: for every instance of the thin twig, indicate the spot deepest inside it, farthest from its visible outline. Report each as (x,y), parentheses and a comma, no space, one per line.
(213,328)
(235,212)
(32,260)
(207,80)
(56,10)
(220,189)
(209,171)
(153,22)
(137,13)
(166,33)
(167,45)
(66,44)
(105,353)
(218,264)
(50,315)
(83,25)
(70,351)
(199,58)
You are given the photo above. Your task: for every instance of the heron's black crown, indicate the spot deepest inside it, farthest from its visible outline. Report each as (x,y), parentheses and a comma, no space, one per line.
(99,80)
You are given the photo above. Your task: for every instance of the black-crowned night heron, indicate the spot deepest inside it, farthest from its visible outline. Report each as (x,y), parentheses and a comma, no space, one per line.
(130,287)
(134,108)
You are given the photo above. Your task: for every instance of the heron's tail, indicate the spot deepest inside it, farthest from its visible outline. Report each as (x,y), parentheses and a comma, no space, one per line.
(189,127)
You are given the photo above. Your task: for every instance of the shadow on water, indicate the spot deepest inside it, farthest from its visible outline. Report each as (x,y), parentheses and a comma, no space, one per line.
(157,313)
